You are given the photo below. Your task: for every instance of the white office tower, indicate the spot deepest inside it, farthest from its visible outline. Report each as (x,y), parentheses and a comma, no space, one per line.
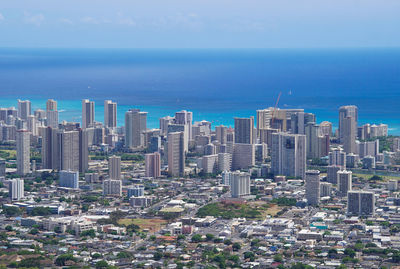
(325,189)
(112,187)
(135,127)
(332,173)
(24,109)
(264,117)
(288,155)
(23,152)
(368,148)
(344,182)
(299,121)
(344,112)
(221,134)
(186,118)
(114,167)
(312,140)
(69,179)
(210,163)
(32,125)
(110,114)
(16,189)
(240,184)
(243,156)
(226,178)
(360,203)
(378,130)
(87,113)
(136,191)
(176,154)
(325,128)
(153,165)
(244,130)
(224,161)
(312,187)
(51,113)
(337,157)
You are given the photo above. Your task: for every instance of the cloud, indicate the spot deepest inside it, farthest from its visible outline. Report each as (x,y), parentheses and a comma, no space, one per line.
(90,20)
(124,20)
(66,21)
(1,17)
(35,19)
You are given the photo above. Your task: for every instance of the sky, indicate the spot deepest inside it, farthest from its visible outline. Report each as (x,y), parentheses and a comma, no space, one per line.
(199,23)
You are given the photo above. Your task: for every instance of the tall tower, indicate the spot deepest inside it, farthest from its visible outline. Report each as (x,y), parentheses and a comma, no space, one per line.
(114,167)
(176,153)
(24,109)
(87,113)
(135,126)
(244,129)
(16,189)
(312,187)
(153,165)
(344,112)
(186,118)
(344,182)
(349,130)
(240,184)
(288,154)
(52,113)
(221,134)
(23,152)
(110,114)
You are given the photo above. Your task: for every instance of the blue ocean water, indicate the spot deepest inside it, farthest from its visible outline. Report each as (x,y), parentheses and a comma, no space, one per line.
(215,84)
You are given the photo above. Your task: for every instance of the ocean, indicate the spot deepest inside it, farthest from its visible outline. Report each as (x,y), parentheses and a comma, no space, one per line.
(215,84)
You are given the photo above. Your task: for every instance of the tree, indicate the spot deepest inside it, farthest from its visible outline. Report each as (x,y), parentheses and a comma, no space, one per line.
(249,255)
(350,252)
(34,231)
(60,260)
(209,237)
(101,264)
(157,256)
(236,246)
(98,255)
(11,211)
(9,228)
(278,258)
(197,238)
(90,233)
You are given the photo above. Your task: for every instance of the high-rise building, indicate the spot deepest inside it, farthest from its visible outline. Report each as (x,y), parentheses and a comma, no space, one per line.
(344,182)
(87,113)
(112,187)
(52,118)
(243,156)
(344,112)
(288,155)
(332,176)
(2,167)
(337,157)
(325,189)
(176,154)
(326,128)
(164,122)
(224,161)
(186,118)
(172,128)
(210,163)
(51,105)
(312,140)
(110,114)
(24,109)
(114,167)
(240,184)
(221,133)
(299,121)
(349,130)
(244,130)
(69,179)
(135,126)
(16,189)
(153,165)
(312,187)
(65,150)
(23,152)
(136,191)
(368,148)
(361,203)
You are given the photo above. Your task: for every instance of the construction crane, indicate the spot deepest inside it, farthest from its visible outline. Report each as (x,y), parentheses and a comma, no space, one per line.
(273,111)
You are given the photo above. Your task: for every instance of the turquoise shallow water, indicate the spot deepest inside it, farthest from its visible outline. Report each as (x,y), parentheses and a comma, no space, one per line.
(215,84)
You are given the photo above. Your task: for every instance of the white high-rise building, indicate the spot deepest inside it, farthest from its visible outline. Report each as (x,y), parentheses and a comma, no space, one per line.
(210,163)
(16,189)
(87,113)
(344,182)
(288,155)
(112,187)
(337,157)
(349,130)
(224,161)
(176,154)
(344,112)
(240,184)
(221,134)
(186,118)
(51,113)
(114,167)
(312,187)
(243,156)
(135,126)
(110,114)
(361,203)
(23,152)
(24,109)
(69,179)
(244,130)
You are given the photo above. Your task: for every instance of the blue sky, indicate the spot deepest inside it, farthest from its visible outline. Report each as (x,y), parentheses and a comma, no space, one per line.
(199,23)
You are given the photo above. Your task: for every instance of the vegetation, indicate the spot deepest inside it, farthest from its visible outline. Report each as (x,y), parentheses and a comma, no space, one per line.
(229,211)
(283,201)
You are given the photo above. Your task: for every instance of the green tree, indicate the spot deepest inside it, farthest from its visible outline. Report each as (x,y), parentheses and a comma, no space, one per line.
(278,258)
(236,246)
(101,264)
(197,238)
(34,231)
(209,237)
(60,260)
